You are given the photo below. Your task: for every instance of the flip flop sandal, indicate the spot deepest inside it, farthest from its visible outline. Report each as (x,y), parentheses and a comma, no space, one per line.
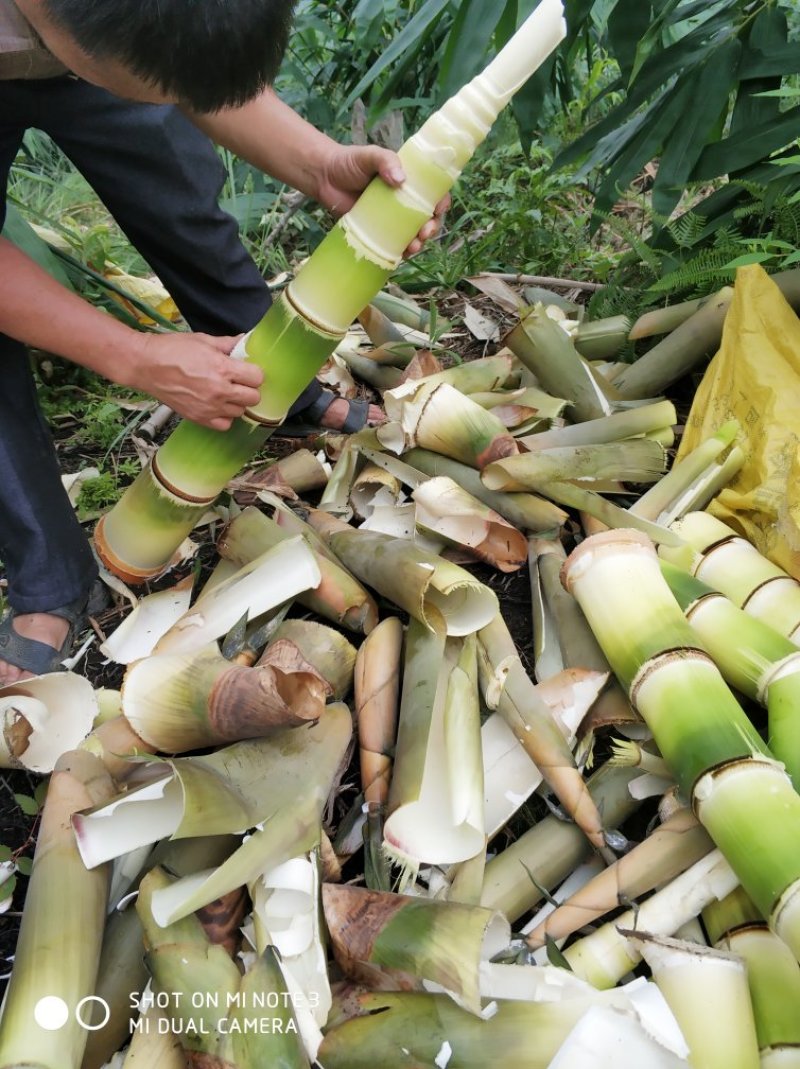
(38,657)
(309,423)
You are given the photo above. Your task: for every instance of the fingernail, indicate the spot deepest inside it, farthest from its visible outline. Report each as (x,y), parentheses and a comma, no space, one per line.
(397,174)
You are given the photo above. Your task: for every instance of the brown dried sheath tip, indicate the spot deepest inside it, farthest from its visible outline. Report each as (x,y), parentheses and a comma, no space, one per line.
(222,919)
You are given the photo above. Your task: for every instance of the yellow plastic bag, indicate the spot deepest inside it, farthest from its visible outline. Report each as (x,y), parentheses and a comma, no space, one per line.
(755,378)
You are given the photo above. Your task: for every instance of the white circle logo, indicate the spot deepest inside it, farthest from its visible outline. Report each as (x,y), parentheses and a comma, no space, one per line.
(87,1023)
(51,1013)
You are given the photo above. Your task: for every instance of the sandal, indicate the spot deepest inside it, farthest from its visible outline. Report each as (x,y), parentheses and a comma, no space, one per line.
(309,423)
(38,657)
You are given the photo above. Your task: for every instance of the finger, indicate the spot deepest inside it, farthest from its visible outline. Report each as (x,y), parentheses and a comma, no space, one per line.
(243,373)
(241,397)
(222,343)
(413,248)
(443,205)
(219,423)
(387,164)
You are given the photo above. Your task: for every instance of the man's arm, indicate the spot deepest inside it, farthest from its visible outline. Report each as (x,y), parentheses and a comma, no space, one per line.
(191,373)
(274,138)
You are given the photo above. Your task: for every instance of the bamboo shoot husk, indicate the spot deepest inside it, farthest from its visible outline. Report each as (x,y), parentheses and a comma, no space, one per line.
(392,939)
(339,597)
(516,879)
(448,512)
(421,583)
(222,793)
(606,955)
(429,818)
(330,653)
(44,717)
(276,576)
(437,416)
(154,615)
(507,687)
(644,419)
(58,949)
(544,348)
(525,511)
(639,460)
(185,964)
(664,854)
(188,701)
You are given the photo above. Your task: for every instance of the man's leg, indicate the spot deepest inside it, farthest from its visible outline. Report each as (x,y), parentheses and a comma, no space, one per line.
(160,178)
(45,552)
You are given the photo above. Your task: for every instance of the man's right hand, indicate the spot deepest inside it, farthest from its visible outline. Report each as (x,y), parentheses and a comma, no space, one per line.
(195,375)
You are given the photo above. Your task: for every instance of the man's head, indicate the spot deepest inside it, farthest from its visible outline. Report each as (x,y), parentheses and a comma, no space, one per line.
(204,54)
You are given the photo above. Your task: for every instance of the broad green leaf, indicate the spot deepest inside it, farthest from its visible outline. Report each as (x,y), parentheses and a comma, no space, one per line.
(577,12)
(748,258)
(651,38)
(467,44)
(692,51)
(747,147)
(507,23)
(528,101)
(25,865)
(407,40)
(19,230)
(783,59)
(767,32)
(708,90)
(612,146)
(643,147)
(627,24)
(28,805)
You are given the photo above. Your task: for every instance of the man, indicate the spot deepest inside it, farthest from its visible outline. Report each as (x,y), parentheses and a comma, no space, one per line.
(131,91)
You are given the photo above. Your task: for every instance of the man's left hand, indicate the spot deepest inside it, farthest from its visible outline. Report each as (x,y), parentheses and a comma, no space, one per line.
(347,171)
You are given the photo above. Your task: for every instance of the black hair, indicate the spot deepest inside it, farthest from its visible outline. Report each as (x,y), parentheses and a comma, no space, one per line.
(209,54)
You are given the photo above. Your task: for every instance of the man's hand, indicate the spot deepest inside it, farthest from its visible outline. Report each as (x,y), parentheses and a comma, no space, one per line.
(194,374)
(348,169)
(268,134)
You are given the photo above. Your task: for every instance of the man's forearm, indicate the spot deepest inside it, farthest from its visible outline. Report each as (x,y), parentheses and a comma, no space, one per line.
(270,135)
(37,310)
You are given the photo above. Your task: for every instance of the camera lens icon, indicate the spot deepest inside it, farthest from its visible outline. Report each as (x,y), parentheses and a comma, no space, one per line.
(52,1013)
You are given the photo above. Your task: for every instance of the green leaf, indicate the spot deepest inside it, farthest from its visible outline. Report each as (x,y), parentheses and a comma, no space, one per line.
(643,147)
(408,39)
(554,955)
(467,44)
(19,230)
(748,258)
(507,23)
(783,59)
(5,853)
(28,805)
(7,888)
(709,90)
(651,38)
(627,24)
(25,865)
(747,147)
(694,50)
(767,33)
(41,790)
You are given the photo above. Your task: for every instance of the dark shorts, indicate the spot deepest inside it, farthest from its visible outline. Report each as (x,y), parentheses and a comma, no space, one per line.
(160,178)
